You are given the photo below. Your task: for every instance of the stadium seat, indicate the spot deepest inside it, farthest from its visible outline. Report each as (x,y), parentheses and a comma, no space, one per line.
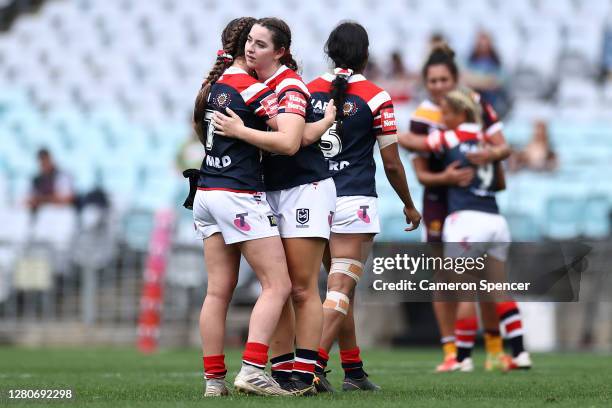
(563,217)
(596,217)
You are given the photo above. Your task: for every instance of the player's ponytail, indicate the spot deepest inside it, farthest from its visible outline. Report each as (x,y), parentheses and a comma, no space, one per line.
(442,55)
(281,37)
(347,46)
(233,38)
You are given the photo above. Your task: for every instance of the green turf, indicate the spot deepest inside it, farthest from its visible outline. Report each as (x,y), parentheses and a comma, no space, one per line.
(124,378)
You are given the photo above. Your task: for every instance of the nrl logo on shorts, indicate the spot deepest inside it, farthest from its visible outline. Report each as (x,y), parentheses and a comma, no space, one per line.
(302,215)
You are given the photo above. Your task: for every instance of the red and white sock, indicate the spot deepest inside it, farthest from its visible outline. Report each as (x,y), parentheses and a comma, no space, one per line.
(256,355)
(214,366)
(512,325)
(465,335)
(304,364)
(282,366)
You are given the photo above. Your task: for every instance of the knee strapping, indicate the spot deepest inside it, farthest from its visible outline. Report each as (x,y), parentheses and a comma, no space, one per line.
(346,266)
(337,301)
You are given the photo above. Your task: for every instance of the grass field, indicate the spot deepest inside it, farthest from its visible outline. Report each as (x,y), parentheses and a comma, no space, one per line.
(124,378)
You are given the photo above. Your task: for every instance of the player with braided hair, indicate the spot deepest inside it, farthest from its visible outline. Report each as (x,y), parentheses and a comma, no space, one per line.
(232,216)
(365,116)
(302,195)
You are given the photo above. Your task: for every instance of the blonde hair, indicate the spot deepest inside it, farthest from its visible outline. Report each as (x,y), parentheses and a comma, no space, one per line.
(465,100)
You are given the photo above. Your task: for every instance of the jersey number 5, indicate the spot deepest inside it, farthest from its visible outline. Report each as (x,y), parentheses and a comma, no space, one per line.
(330,143)
(210,129)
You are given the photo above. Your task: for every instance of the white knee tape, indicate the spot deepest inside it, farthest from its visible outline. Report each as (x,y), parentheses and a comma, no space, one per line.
(346,266)
(337,301)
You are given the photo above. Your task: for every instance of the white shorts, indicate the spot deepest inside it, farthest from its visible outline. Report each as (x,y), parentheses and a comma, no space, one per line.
(356,215)
(488,232)
(305,211)
(237,216)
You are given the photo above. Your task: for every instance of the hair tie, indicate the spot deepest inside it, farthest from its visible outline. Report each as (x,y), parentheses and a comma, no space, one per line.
(343,72)
(224,55)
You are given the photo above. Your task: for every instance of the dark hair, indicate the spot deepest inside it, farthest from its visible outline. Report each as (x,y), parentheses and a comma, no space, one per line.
(233,39)
(43,153)
(281,37)
(442,55)
(492,53)
(347,46)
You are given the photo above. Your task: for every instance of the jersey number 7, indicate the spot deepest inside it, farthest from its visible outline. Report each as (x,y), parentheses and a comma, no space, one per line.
(210,129)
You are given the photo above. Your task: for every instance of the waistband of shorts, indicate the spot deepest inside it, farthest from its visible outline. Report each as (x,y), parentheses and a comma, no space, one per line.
(229,190)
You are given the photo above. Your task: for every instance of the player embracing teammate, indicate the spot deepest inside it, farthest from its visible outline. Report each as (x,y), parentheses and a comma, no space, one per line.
(457,322)
(364,117)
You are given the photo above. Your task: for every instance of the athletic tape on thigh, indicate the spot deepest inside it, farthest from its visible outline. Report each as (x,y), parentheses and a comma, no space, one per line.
(337,301)
(349,267)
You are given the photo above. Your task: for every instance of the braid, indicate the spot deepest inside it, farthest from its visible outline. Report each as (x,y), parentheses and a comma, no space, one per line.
(233,38)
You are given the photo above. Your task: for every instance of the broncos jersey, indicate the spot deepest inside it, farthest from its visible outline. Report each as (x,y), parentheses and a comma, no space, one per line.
(368,113)
(428,118)
(231,164)
(453,145)
(308,164)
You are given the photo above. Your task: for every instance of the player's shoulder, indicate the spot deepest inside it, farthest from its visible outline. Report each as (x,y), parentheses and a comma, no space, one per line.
(286,79)
(320,84)
(373,95)
(427,112)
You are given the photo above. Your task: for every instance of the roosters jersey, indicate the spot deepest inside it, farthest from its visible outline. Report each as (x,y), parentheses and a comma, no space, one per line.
(453,146)
(308,164)
(368,113)
(428,118)
(232,164)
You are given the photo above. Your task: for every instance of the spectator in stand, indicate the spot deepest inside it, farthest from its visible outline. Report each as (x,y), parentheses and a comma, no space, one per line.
(483,73)
(538,155)
(50,185)
(400,83)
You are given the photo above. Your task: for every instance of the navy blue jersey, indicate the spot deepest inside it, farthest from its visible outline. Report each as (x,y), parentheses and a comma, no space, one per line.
(368,113)
(231,164)
(453,146)
(428,118)
(308,164)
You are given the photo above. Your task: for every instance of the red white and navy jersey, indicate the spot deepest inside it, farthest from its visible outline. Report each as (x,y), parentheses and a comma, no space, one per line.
(308,164)
(368,113)
(231,164)
(428,118)
(453,145)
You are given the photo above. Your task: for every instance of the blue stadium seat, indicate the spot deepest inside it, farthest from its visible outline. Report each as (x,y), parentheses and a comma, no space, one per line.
(563,217)
(596,217)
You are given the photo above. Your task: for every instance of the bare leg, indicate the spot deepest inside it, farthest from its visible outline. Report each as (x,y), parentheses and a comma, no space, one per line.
(267,258)
(222,263)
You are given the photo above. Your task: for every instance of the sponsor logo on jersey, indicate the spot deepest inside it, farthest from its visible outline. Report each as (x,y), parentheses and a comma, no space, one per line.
(223,100)
(337,166)
(240,222)
(387,118)
(318,106)
(294,102)
(218,163)
(270,105)
(362,213)
(273,221)
(349,109)
(302,215)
